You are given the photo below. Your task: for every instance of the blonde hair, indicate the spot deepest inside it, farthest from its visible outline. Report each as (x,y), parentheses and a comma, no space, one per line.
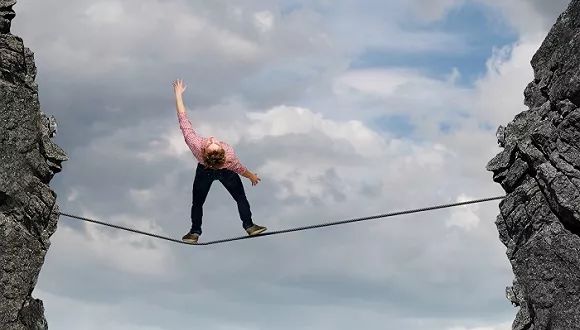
(214,158)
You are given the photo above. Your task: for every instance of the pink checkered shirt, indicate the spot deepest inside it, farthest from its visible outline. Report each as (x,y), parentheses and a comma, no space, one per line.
(195,142)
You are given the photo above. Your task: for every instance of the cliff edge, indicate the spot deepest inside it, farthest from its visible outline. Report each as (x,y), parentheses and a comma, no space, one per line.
(539,168)
(28,161)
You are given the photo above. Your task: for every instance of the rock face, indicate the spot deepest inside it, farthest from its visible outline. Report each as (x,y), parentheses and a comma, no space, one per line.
(28,161)
(539,168)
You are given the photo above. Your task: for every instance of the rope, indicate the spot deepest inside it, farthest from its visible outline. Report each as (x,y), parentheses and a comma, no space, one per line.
(285,230)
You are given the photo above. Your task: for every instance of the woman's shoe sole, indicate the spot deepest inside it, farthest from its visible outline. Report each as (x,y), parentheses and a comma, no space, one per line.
(189,241)
(257,232)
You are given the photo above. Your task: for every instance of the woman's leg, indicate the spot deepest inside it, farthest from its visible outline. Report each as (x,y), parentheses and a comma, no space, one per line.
(232,182)
(201,184)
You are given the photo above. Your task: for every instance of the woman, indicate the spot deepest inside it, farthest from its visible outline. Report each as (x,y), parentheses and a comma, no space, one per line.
(216,160)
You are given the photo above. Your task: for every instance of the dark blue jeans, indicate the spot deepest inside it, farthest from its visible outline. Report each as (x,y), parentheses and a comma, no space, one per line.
(204,177)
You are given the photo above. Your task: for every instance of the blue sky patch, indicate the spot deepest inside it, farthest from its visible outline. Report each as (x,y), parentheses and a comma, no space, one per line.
(481,29)
(399,125)
(486,126)
(446,127)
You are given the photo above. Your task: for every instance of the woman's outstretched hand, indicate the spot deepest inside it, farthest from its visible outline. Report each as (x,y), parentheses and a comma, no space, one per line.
(255,179)
(179,87)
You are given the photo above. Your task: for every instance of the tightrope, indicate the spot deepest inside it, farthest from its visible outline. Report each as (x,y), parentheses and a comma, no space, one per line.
(327,224)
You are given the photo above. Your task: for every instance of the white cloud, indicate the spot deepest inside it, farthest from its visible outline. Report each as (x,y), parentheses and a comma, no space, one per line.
(528,17)
(425,102)
(95,315)
(433,10)
(404,90)
(453,76)
(464,216)
(284,120)
(264,20)
(126,252)
(501,326)
(175,143)
(500,92)
(105,12)
(142,197)
(239,47)
(72,195)
(150,29)
(379,82)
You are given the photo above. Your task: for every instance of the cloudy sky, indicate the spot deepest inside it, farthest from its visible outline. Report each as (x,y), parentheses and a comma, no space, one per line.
(343,108)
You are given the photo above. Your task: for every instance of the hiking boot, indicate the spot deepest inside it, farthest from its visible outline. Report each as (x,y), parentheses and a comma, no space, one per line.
(190,238)
(255,230)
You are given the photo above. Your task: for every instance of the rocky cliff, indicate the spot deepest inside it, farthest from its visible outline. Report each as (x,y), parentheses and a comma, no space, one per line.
(539,168)
(28,161)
